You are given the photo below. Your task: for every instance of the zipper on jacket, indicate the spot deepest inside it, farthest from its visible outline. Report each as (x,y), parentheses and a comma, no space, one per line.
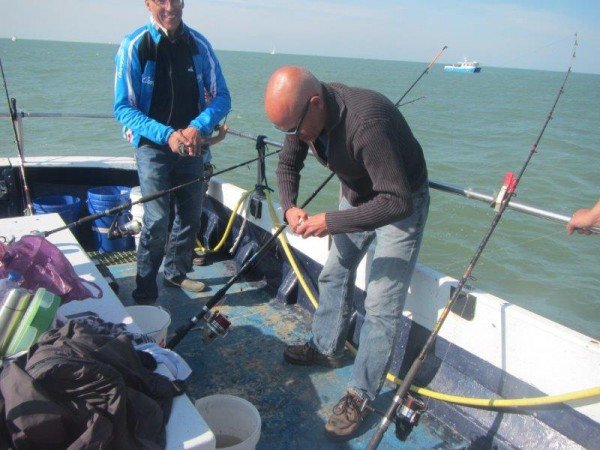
(172,91)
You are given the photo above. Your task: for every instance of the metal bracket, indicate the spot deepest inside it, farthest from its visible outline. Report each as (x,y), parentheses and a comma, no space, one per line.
(464,305)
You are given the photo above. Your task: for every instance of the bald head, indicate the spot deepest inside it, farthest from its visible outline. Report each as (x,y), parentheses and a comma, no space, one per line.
(288,90)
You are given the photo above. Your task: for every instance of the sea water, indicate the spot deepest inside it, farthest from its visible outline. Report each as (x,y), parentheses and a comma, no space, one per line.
(473,128)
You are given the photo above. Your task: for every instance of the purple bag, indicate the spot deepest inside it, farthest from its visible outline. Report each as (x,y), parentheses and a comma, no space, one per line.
(43,265)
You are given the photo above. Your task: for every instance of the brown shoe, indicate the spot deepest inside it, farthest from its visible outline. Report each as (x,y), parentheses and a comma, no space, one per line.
(346,418)
(185,283)
(307,355)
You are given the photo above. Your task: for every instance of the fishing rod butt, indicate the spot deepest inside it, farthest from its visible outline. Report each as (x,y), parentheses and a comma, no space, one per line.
(180,333)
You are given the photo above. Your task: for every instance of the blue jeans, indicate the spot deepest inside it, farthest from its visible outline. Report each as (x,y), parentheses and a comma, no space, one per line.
(392,267)
(159,169)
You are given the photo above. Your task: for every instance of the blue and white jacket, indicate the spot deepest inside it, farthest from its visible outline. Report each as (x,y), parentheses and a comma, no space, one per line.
(134,84)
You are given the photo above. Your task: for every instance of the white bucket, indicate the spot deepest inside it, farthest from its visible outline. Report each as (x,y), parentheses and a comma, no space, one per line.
(152,320)
(137,211)
(234,421)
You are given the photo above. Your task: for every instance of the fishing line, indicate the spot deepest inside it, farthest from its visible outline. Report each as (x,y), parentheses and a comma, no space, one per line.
(13,116)
(523,56)
(509,188)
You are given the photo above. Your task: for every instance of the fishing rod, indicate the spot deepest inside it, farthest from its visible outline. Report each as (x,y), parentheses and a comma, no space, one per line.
(411,101)
(218,323)
(147,198)
(420,76)
(460,191)
(412,407)
(12,107)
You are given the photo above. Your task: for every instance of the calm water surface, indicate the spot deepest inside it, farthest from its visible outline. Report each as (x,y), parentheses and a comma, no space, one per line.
(473,129)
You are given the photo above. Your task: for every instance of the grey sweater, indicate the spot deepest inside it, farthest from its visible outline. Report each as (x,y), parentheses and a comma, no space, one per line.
(373,152)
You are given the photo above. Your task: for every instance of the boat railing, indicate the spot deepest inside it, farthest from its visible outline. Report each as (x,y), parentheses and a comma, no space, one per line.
(443,187)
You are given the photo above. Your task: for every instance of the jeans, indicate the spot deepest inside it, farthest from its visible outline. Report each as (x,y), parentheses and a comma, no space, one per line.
(159,169)
(392,267)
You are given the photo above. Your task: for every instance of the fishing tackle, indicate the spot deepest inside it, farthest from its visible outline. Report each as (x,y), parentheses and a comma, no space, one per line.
(12,107)
(182,331)
(130,228)
(401,398)
(408,415)
(217,325)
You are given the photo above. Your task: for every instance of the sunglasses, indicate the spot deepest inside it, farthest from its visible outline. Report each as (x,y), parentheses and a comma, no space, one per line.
(294,131)
(163,3)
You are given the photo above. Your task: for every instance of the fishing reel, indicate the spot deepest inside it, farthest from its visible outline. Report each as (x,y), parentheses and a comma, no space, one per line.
(408,415)
(129,228)
(217,325)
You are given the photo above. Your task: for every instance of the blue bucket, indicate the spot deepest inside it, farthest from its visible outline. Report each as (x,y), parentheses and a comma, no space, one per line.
(101,199)
(67,206)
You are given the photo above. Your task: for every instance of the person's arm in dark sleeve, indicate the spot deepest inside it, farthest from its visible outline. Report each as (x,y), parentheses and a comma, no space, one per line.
(377,145)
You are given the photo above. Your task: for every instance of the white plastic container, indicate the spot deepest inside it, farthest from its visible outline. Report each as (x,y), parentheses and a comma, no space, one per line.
(152,320)
(234,421)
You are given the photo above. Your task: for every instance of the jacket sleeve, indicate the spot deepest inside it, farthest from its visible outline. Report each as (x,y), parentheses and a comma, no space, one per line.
(215,88)
(128,88)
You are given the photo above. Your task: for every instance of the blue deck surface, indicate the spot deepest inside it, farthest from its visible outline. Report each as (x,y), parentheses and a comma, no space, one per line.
(294,402)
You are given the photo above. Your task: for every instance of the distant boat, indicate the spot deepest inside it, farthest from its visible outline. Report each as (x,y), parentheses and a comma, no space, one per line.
(14,38)
(464,66)
(273,50)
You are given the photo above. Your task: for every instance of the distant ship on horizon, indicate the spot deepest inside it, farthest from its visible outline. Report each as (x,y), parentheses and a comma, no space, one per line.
(464,66)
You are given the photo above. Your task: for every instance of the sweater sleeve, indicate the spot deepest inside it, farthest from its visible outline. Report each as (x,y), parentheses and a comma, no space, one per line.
(376,144)
(291,162)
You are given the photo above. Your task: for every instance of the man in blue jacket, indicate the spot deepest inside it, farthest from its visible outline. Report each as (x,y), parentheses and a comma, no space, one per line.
(169,95)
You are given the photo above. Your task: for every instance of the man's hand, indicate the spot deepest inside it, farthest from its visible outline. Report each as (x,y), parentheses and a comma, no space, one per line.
(218,138)
(194,138)
(583,219)
(176,140)
(313,226)
(294,216)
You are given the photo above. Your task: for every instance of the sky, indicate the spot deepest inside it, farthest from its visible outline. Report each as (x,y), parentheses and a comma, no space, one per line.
(530,34)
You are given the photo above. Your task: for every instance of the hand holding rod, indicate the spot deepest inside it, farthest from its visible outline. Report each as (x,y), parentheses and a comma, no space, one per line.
(184,329)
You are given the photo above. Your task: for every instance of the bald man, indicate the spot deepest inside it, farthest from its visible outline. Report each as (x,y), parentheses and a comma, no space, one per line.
(363,138)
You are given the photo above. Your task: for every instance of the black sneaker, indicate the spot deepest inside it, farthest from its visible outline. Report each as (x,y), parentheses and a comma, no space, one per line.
(307,355)
(143,299)
(346,418)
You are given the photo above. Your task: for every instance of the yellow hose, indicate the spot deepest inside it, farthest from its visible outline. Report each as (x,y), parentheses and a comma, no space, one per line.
(200,248)
(467,401)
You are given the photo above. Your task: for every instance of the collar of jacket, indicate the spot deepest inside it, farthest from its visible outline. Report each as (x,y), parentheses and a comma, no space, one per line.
(158,33)
(336,108)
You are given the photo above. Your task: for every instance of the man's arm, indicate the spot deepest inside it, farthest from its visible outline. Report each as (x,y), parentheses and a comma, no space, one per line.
(291,162)
(128,87)
(376,145)
(214,86)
